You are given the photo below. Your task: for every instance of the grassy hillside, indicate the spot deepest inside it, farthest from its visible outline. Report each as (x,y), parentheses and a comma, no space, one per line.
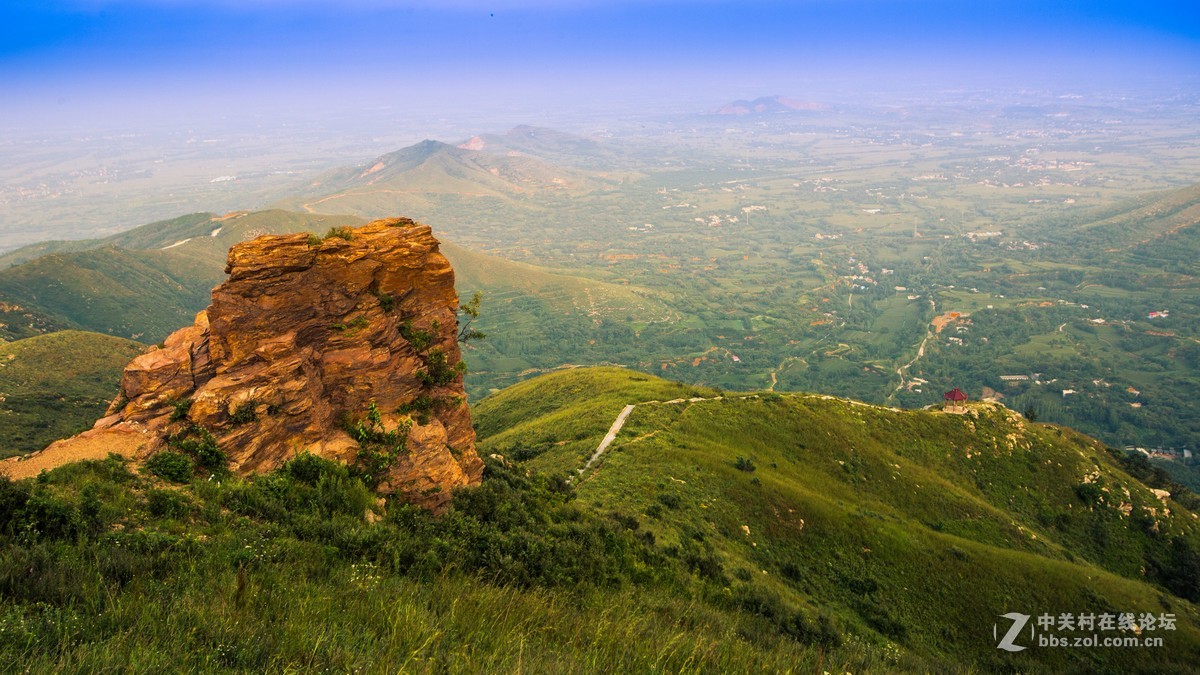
(204,235)
(911,528)
(730,533)
(132,294)
(537,318)
(149,236)
(553,423)
(301,570)
(56,385)
(142,284)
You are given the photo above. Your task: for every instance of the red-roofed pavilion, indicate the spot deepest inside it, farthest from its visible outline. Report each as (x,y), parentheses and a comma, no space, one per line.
(956,395)
(954,400)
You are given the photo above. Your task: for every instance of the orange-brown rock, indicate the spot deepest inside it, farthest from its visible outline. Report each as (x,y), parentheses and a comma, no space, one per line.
(303,336)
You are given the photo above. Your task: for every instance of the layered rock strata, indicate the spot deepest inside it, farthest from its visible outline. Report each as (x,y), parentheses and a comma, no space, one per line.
(308,340)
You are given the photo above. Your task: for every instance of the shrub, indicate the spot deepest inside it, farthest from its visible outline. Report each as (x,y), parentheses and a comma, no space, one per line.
(308,468)
(46,515)
(422,406)
(13,495)
(438,371)
(343,232)
(1178,568)
(166,503)
(200,444)
(354,325)
(378,449)
(170,465)
(180,408)
(314,240)
(386,301)
(468,312)
(1090,493)
(419,339)
(244,413)
(744,464)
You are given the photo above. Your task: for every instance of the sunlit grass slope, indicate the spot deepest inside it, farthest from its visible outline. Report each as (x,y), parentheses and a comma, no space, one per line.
(913,528)
(554,422)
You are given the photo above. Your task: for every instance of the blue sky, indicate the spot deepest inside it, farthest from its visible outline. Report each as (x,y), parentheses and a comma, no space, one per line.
(296,51)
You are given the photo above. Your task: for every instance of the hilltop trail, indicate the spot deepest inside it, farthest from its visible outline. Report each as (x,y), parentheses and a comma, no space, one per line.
(624,415)
(609,437)
(619,423)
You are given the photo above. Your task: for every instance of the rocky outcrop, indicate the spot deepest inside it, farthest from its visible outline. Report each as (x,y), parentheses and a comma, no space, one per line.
(342,347)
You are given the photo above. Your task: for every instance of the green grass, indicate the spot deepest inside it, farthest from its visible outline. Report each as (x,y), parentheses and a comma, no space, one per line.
(909,528)
(57,385)
(557,420)
(133,294)
(106,570)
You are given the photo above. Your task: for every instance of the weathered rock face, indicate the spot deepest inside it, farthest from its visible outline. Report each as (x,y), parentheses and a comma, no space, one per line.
(305,337)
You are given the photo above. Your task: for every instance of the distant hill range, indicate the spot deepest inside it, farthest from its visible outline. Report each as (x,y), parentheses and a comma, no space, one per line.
(767,105)
(512,167)
(551,145)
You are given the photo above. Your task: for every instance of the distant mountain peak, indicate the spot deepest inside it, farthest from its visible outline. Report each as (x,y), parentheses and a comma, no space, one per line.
(767,104)
(473,143)
(425,148)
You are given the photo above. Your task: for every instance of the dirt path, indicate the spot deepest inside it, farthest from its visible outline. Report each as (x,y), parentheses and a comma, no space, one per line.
(88,445)
(779,369)
(920,353)
(627,410)
(609,437)
(624,415)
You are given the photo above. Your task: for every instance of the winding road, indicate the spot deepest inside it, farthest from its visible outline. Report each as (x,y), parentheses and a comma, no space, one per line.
(920,353)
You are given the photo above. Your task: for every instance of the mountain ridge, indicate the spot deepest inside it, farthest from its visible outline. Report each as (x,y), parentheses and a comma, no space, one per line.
(865,511)
(429,169)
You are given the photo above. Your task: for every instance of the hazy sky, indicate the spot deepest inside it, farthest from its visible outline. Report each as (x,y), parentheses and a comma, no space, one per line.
(121,57)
